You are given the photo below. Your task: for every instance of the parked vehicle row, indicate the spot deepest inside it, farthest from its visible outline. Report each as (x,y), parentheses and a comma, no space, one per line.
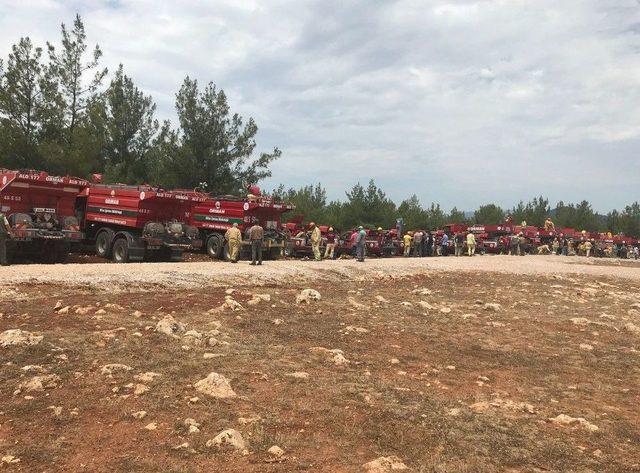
(48,215)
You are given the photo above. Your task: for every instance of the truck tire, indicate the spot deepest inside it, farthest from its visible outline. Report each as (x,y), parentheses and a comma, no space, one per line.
(215,246)
(104,240)
(121,251)
(226,253)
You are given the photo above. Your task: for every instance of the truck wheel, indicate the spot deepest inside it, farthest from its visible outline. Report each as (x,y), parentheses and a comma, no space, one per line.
(215,245)
(103,243)
(121,251)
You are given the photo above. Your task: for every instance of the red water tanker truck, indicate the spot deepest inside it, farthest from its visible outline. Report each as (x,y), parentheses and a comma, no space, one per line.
(136,223)
(213,215)
(41,212)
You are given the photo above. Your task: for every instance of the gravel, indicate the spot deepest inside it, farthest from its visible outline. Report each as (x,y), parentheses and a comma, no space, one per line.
(195,274)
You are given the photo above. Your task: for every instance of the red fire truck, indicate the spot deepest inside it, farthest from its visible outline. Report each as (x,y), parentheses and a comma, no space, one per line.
(214,215)
(40,209)
(136,223)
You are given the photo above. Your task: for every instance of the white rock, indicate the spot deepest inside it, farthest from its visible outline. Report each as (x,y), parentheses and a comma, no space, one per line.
(18,338)
(147,377)
(579,321)
(308,296)
(335,356)
(423,291)
(445,310)
(586,347)
(426,305)
(151,426)
(140,389)
(229,437)
(275,452)
(492,307)
(385,465)
(40,383)
(111,368)
(9,460)
(298,375)
(169,326)
(215,385)
(139,415)
(382,300)
(632,328)
(566,420)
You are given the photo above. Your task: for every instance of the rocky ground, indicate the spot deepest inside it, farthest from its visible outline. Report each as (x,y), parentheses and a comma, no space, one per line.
(446,364)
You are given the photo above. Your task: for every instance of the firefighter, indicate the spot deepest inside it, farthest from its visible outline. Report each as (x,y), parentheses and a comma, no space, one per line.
(587,248)
(256,235)
(444,244)
(330,250)
(417,244)
(406,240)
(5,232)
(555,246)
(361,241)
(457,243)
(316,239)
(521,244)
(471,244)
(234,240)
(549,225)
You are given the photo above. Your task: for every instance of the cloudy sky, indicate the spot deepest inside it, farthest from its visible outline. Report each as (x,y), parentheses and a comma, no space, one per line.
(460,102)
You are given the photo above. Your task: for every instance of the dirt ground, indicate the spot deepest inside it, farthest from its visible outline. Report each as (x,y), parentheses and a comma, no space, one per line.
(449,364)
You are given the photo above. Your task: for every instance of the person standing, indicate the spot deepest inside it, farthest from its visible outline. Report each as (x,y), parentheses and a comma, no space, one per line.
(521,244)
(471,244)
(234,240)
(5,232)
(429,248)
(361,242)
(444,244)
(417,244)
(549,225)
(256,235)
(406,241)
(330,250)
(457,243)
(587,248)
(316,239)
(555,246)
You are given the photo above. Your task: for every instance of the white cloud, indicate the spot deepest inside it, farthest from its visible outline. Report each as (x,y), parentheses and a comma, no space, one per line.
(458,101)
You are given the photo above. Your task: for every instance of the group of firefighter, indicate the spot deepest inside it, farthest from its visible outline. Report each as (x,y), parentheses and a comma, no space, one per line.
(421,243)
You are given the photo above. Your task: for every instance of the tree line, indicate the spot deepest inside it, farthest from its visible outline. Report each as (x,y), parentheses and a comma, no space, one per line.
(62,112)
(371,207)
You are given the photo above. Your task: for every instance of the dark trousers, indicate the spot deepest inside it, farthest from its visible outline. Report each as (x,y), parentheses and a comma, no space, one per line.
(418,250)
(3,249)
(360,252)
(256,251)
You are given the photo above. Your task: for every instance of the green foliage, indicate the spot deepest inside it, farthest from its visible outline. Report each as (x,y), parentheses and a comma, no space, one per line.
(412,212)
(310,200)
(21,105)
(489,214)
(533,212)
(214,146)
(56,115)
(129,126)
(580,217)
(456,216)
